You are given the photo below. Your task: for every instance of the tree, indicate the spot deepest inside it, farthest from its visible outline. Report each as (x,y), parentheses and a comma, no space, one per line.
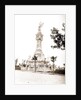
(16,61)
(58,38)
(53,59)
(35,58)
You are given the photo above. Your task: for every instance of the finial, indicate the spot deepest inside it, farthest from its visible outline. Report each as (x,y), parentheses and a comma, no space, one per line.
(40,25)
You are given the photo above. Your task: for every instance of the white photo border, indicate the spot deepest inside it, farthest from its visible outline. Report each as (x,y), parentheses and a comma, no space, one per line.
(70,87)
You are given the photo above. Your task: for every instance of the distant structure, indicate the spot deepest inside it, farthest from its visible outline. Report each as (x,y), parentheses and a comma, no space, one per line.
(41,63)
(39,39)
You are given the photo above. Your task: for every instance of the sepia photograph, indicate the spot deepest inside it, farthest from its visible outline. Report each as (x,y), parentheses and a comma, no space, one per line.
(40,49)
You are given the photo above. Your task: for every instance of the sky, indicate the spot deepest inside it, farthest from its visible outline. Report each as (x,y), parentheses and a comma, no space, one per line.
(26,28)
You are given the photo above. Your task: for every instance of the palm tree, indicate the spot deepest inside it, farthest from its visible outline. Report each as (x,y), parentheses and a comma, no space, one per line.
(53,59)
(35,58)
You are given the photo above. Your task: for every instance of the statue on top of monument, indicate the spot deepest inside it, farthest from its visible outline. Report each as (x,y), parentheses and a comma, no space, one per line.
(40,25)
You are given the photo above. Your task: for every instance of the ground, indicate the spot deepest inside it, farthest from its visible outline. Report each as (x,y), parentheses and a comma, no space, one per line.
(27,77)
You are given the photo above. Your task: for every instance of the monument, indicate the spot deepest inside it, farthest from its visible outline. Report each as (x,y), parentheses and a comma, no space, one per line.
(40,63)
(39,39)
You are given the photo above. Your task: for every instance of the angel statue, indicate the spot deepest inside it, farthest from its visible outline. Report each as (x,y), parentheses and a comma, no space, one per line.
(40,25)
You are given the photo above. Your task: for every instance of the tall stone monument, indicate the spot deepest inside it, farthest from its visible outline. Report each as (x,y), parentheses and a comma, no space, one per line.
(39,39)
(41,61)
